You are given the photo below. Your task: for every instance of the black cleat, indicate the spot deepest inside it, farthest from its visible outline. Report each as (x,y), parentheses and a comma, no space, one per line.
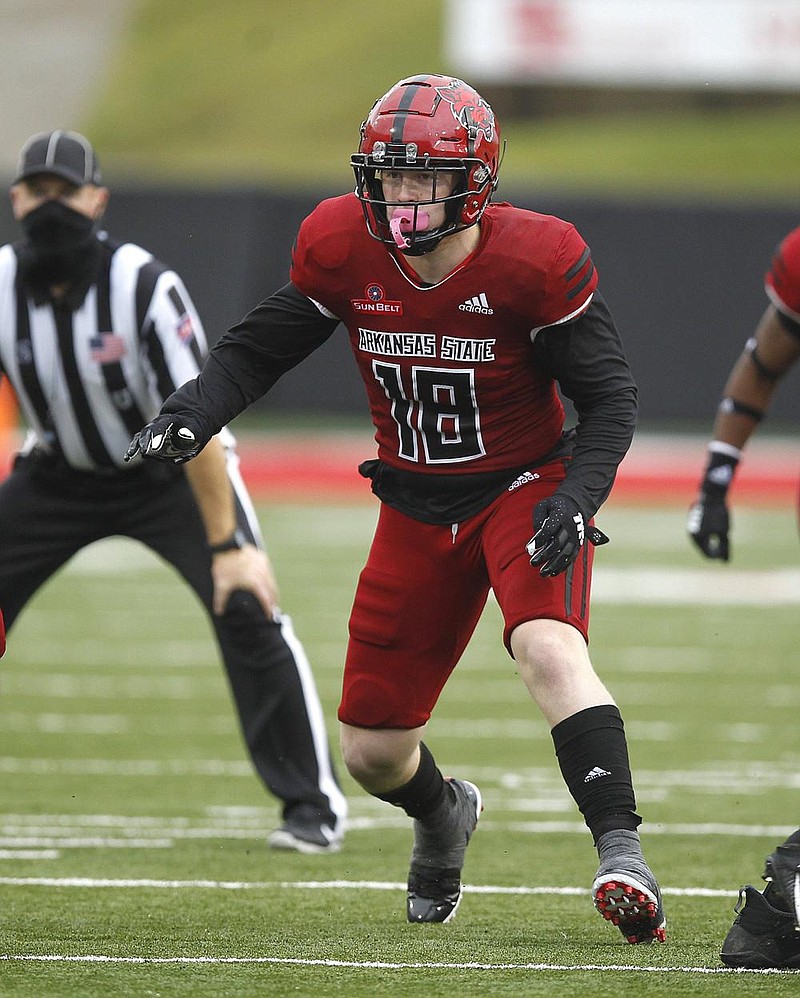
(761,935)
(782,871)
(632,902)
(434,891)
(433,897)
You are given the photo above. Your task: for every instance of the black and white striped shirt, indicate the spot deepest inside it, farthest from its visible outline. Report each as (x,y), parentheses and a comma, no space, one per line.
(88,379)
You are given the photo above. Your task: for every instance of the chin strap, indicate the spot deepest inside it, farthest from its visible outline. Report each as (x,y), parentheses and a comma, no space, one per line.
(405,219)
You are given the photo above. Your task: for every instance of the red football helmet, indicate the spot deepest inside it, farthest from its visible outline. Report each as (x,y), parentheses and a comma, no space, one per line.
(431,123)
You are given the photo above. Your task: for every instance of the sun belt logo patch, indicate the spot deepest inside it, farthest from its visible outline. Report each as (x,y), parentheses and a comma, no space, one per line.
(375,302)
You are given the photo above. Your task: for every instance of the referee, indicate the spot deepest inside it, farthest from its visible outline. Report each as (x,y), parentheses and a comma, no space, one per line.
(94,335)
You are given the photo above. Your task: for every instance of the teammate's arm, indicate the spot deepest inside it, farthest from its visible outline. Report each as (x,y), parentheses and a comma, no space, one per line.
(766,358)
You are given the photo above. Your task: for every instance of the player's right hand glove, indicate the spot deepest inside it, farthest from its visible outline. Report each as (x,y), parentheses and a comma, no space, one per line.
(559,533)
(709,520)
(165,438)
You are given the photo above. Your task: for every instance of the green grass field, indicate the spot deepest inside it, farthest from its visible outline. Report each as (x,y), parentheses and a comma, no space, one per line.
(132,856)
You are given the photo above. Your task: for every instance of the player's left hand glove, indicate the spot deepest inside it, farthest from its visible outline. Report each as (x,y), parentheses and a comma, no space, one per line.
(166,439)
(709,521)
(559,534)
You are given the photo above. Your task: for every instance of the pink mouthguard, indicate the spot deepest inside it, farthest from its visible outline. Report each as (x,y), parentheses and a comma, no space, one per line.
(404,219)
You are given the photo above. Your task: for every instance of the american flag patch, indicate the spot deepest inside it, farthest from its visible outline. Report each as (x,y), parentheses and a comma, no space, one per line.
(185,329)
(107,348)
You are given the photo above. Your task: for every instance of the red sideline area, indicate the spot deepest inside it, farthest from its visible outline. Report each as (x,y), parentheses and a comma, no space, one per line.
(657,469)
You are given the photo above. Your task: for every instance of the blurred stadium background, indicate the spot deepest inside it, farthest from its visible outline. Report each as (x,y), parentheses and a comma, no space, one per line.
(667,133)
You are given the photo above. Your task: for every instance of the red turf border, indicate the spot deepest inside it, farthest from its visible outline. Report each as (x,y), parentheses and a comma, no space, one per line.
(306,469)
(320,467)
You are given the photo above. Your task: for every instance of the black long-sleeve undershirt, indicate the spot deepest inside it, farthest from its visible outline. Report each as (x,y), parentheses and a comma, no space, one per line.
(249,358)
(585,357)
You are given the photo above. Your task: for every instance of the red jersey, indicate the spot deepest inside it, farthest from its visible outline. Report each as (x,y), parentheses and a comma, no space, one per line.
(449,369)
(782,280)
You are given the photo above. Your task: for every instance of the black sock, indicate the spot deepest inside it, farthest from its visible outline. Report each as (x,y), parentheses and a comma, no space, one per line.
(424,792)
(593,755)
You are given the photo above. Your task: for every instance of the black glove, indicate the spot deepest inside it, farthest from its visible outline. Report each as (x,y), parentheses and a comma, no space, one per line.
(559,532)
(709,521)
(165,439)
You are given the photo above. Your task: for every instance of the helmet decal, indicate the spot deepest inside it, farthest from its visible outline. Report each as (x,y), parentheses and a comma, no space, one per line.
(474,115)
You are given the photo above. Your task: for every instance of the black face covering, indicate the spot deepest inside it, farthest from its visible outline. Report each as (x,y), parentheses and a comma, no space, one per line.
(60,245)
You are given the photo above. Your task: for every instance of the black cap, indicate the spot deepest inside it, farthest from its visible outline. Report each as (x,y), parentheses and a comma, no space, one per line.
(65,154)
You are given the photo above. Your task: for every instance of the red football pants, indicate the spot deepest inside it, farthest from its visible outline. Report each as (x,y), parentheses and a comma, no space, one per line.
(423,589)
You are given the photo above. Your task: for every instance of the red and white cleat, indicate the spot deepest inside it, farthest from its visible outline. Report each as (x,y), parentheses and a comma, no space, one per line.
(632,905)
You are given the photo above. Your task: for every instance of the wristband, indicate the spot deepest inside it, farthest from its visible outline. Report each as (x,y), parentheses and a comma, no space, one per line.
(726,452)
(235,542)
(722,461)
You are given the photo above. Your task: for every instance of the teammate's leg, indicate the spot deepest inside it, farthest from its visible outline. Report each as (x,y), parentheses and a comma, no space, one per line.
(765,931)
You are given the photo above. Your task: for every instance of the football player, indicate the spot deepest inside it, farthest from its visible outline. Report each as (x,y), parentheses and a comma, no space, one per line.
(765,932)
(464,317)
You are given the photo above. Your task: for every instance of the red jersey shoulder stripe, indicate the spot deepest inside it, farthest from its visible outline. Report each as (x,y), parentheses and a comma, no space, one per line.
(581,273)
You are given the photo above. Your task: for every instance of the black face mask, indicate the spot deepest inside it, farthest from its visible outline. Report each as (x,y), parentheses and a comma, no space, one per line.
(54,229)
(60,244)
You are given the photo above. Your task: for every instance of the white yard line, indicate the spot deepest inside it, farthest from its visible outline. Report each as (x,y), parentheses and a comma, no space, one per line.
(19,854)
(692,587)
(660,584)
(145,883)
(382,964)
